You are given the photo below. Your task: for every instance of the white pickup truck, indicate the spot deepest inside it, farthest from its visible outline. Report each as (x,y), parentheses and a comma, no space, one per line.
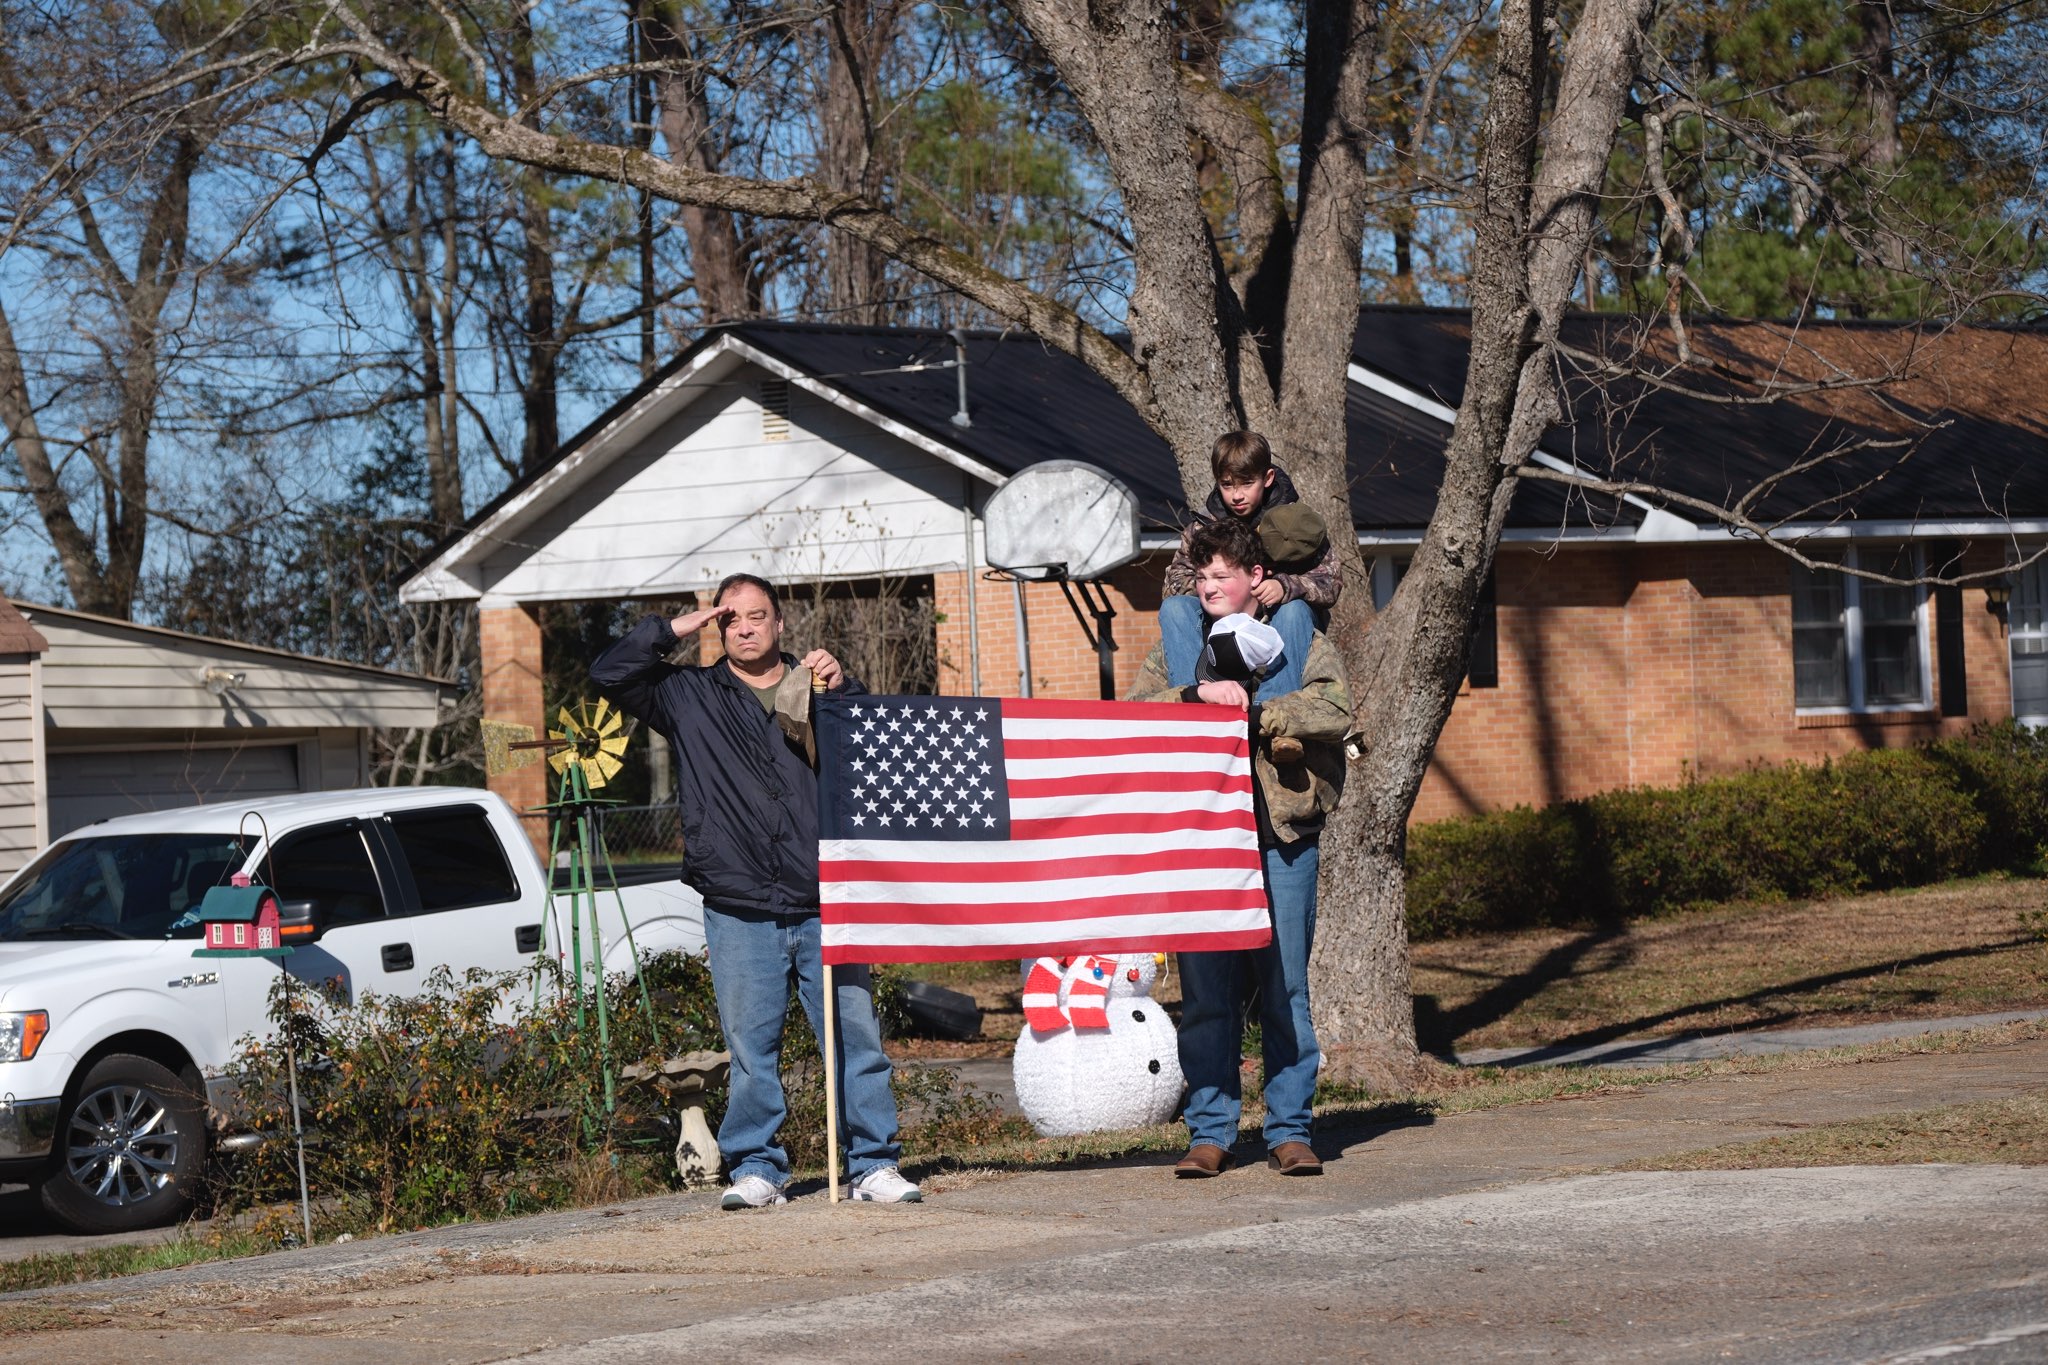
(116,1043)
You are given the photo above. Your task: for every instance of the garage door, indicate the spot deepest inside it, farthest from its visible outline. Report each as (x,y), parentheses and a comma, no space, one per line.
(85,787)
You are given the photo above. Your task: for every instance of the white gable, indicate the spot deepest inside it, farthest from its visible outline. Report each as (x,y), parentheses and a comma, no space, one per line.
(707,492)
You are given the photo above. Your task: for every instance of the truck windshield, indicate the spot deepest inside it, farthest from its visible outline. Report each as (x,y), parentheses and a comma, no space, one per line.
(118,886)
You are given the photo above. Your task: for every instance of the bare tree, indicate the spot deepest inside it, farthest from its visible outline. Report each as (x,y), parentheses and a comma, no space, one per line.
(111,123)
(1257,336)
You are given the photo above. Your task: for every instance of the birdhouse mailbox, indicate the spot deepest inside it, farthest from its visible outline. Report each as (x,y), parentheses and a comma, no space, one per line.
(241,920)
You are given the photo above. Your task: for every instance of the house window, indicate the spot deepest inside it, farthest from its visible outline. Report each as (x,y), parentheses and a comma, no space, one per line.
(1483,659)
(1859,645)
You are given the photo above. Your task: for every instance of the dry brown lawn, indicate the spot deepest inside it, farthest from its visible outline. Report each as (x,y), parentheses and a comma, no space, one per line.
(2007,1131)
(1957,949)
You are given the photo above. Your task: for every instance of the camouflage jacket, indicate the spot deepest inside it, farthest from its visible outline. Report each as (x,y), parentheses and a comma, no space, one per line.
(1317,584)
(1298,796)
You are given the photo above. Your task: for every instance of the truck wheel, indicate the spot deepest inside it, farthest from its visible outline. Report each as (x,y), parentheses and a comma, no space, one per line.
(129,1151)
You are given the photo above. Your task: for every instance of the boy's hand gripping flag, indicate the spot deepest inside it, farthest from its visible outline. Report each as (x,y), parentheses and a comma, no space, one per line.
(957,828)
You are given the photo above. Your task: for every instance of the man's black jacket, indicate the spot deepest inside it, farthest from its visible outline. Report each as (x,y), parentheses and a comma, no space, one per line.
(749,799)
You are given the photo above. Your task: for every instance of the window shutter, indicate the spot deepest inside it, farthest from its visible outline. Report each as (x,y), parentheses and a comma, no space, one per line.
(1483,662)
(1951,677)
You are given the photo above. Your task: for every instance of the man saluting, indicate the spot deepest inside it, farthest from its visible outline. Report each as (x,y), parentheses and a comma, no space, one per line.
(749,802)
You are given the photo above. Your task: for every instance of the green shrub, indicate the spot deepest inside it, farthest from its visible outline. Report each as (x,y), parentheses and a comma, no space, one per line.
(1517,867)
(483,1097)
(1868,821)
(2004,768)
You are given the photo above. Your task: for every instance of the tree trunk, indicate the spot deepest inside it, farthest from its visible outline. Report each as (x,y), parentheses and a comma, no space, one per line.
(718,261)
(447,482)
(1117,60)
(1884,148)
(852,155)
(76,553)
(539,404)
(1530,235)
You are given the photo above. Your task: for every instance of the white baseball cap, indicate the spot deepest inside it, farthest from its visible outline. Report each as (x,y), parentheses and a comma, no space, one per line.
(1258,644)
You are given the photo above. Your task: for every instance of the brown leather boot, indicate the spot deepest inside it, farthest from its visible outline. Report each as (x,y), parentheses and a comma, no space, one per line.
(1203,1160)
(1294,1158)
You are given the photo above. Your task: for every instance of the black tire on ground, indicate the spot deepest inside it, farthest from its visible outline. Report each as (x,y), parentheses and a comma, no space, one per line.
(129,1151)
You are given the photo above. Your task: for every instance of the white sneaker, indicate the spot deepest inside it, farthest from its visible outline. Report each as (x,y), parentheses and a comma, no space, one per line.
(752,1192)
(886,1185)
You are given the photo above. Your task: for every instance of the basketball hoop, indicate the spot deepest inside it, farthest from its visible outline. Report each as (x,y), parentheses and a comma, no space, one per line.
(1061,519)
(1072,523)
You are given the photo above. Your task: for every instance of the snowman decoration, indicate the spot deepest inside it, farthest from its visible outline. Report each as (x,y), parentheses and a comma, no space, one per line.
(1097,1052)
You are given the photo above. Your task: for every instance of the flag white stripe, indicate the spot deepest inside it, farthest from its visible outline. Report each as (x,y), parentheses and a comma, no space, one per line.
(1083,765)
(1079,931)
(1123,803)
(937,851)
(931,892)
(1230,726)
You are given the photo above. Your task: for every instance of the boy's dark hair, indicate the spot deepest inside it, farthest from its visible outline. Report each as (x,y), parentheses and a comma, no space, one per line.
(1227,539)
(1240,455)
(734,580)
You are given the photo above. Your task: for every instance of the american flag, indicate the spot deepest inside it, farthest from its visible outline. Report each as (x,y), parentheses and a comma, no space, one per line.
(957,828)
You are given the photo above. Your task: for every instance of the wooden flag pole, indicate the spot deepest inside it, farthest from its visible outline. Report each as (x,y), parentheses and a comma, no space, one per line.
(829,1008)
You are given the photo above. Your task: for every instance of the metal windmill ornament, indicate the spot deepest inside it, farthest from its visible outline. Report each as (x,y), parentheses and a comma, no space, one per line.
(591,737)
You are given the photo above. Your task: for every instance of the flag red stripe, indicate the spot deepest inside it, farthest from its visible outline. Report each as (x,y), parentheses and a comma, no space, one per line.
(1138,822)
(1227,941)
(1042,708)
(1173,903)
(1098,865)
(1108,784)
(1125,744)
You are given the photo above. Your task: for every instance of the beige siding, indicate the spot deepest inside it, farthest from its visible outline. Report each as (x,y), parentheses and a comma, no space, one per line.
(100,676)
(21,787)
(705,495)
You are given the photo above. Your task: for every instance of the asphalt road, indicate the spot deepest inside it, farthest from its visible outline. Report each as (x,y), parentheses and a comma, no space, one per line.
(1486,1236)
(1847,1264)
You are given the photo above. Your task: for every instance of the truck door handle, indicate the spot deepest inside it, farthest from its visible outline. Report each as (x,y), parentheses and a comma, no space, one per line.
(398,957)
(526,938)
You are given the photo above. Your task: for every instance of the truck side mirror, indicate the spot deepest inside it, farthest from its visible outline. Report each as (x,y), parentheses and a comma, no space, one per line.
(299,921)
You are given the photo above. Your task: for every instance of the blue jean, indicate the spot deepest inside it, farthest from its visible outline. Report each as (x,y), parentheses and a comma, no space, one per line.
(1212,1018)
(1184,630)
(755,959)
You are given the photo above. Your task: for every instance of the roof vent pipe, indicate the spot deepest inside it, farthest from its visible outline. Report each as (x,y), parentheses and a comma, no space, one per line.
(959,335)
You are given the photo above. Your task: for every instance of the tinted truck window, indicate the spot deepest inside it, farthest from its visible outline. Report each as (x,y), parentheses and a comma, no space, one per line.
(331,867)
(455,858)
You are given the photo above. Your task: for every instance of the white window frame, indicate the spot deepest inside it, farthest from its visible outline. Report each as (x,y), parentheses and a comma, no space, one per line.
(2014,553)
(1852,636)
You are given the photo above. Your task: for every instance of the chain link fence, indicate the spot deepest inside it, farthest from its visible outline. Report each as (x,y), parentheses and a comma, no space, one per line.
(643,834)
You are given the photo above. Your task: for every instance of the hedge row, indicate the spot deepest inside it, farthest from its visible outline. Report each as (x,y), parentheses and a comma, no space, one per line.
(1864,822)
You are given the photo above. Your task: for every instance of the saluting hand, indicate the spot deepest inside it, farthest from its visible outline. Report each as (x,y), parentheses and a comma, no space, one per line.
(690,623)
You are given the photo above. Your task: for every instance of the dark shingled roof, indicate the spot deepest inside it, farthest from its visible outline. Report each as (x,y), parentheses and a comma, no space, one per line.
(1032,403)
(1961,432)
(1958,429)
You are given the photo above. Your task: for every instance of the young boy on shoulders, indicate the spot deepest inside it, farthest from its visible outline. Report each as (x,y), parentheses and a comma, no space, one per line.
(1296,785)
(1302,579)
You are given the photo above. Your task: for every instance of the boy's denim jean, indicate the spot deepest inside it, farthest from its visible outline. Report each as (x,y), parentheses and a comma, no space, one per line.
(1184,630)
(1212,1020)
(755,958)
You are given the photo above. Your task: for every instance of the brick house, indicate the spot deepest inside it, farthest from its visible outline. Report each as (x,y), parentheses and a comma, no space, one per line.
(1628,640)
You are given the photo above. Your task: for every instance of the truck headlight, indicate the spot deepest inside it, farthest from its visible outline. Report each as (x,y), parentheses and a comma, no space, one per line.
(21,1034)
